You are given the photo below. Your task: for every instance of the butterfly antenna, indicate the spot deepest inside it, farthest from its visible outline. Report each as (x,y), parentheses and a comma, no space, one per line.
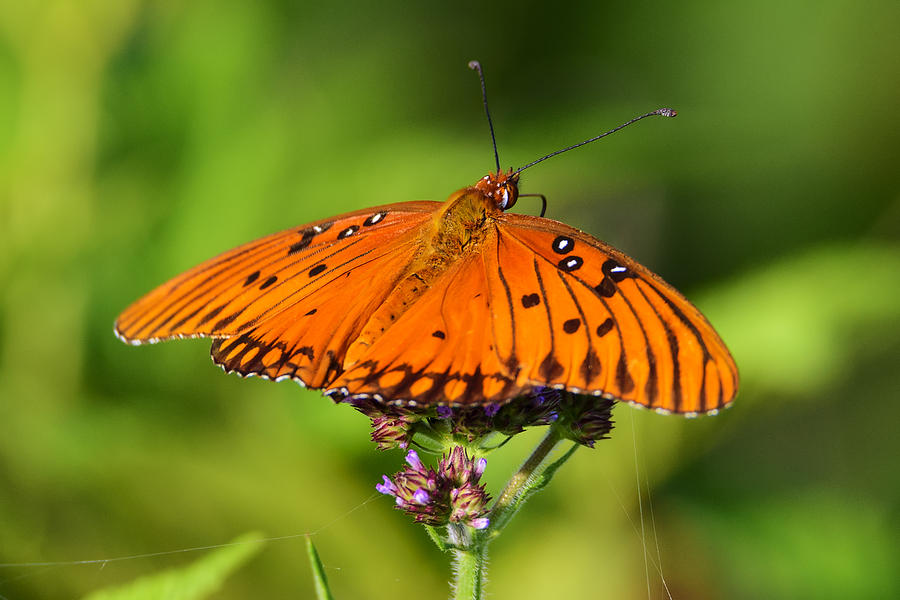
(475,65)
(663,112)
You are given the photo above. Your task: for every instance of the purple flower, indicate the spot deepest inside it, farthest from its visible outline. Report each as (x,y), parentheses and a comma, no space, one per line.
(412,459)
(450,493)
(387,487)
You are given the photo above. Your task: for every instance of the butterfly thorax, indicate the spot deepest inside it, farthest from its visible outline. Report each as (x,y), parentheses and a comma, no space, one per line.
(457,230)
(461,224)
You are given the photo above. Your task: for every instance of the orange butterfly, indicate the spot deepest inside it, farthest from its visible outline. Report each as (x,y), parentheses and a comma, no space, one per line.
(457,303)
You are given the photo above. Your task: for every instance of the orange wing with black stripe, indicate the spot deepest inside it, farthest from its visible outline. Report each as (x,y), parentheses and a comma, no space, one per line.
(286,305)
(574,312)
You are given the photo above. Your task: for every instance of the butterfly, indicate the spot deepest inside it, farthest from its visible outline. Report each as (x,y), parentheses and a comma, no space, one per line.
(459,303)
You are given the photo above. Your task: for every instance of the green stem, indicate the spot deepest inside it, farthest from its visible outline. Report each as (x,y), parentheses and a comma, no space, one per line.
(506,503)
(469,547)
(469,562)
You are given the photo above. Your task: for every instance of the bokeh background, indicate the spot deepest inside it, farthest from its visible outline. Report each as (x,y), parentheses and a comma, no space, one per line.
(139,138)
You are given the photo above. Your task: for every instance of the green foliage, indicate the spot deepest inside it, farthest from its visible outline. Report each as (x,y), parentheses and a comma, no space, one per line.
(193,582)
(318,570)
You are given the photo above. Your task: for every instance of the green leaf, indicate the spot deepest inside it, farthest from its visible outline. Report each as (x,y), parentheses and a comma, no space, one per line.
(436,537)
(322,591)
(197,580)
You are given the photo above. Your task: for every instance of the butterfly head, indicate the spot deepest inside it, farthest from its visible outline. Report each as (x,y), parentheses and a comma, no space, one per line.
(501,188)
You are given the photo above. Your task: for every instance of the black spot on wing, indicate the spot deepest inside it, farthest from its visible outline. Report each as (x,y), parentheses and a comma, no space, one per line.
(529,300)
(605,327)
(317,269)
(563,244)
(306,239)
(570,263)
(606,288)
(572,325)
(312,312)
(268,282)
(348,232)
(615,271)
(251,278)
(551,368)
(439,334)
(623,377)
(376,218)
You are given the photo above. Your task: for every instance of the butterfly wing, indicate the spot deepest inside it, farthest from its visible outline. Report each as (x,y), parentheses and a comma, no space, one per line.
(539,304)
(288,304)
(543,304)
(572,311)
(440,351)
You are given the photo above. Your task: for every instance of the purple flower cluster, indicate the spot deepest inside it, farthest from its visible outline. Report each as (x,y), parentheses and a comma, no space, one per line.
(583,419)
(449,494)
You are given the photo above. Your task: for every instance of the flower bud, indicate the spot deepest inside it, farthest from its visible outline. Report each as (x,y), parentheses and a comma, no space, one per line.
(449,494)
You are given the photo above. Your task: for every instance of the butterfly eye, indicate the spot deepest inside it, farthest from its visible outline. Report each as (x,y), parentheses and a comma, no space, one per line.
(506,197)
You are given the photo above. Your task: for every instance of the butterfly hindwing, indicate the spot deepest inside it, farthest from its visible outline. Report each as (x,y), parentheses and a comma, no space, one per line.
(307,340)
(440,351)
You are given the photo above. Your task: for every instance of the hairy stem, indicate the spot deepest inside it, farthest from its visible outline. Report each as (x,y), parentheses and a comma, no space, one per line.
(527,470)
(469,562)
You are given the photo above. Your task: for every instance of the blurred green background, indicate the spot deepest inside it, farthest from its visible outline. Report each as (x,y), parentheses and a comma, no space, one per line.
(139,138)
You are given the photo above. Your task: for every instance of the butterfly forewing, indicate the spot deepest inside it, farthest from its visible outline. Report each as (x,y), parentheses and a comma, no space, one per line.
(588,317)
(239,290)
